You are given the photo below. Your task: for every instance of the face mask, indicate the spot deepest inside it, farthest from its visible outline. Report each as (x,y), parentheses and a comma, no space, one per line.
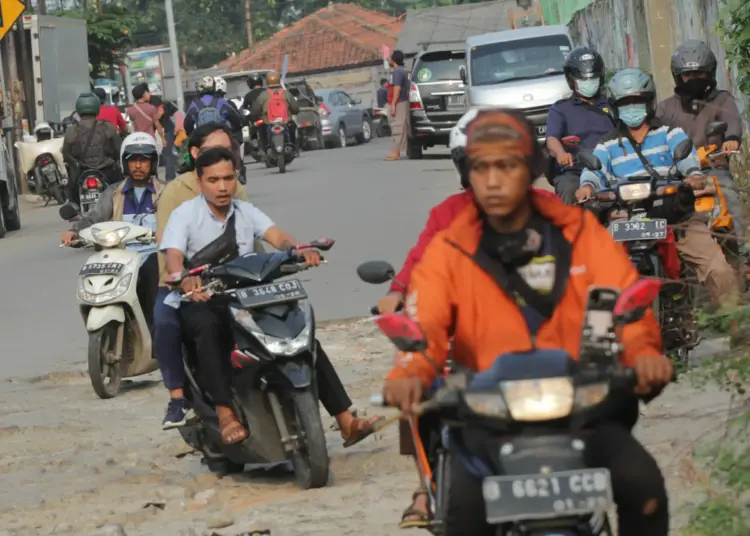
(633,115)
(695,88)
(588,88)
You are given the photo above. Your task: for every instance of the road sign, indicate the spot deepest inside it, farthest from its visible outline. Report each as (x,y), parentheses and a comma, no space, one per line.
(10,10)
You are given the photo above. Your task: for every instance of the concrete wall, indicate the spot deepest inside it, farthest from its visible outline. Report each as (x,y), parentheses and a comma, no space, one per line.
(361,82)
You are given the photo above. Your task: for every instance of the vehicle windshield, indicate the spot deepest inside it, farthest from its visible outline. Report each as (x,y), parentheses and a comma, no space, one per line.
(522,59)
(438,66)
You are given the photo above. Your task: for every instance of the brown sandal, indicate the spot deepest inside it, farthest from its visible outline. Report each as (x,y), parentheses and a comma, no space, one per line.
(232,430)
(361,429)
(391,158)
(422,520)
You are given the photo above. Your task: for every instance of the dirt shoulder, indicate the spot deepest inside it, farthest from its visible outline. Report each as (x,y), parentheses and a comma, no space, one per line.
(73,464)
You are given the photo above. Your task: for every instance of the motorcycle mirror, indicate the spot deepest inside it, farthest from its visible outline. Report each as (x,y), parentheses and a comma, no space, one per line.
(323,244)
(462,73)
(716,128)
(683,150)
(68,212)
(589,161)
(375,272)
(635,300)
(403,332)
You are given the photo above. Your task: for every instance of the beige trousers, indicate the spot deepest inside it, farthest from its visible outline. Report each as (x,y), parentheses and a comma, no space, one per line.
(400,127)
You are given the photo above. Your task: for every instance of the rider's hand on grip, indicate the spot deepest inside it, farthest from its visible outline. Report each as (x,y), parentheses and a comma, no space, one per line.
(403,393)
(652,371)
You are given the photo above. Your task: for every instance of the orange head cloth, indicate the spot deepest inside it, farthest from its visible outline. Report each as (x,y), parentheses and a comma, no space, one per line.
(495,132)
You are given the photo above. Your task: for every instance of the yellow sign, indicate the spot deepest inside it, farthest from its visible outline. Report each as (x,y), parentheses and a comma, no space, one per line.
(10,10)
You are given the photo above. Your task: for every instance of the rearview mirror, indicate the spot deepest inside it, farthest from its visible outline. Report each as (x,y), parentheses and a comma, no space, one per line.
(68,212)
(683,150)
(635,300)
(589,161)
(323,244)
(357,100)
(375,272)
(319,100)
(462,73)
(403,332)
(716,128)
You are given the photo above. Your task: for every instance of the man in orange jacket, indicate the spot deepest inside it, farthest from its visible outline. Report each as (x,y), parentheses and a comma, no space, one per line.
(512,274)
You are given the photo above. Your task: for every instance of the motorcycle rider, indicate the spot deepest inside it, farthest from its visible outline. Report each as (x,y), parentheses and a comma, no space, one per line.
(111,113)
(43,132)
(208,101)
(584,115)
(255,83)
(696,102)
(199,222)
(632,100)
(136,195)
(90,144)
(221,92)
(275,103)
(518,241)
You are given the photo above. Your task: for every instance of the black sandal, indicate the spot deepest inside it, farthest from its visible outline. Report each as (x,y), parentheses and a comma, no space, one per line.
(422,520)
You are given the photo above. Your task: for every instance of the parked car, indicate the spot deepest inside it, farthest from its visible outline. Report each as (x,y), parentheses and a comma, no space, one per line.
(436,98)
(309,128)
(342,118)
(10,212)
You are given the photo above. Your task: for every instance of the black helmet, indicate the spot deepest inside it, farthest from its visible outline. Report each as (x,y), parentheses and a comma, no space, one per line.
(253,80)
(583,63)
(101,93)
(88,104)
(690,56)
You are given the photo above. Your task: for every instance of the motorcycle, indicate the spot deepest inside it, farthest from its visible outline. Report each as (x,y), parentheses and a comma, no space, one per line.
(280,150)
(273,368)
(91,184)
(120,344)
(639,211)
(382,127)
(520,426)
(43,164)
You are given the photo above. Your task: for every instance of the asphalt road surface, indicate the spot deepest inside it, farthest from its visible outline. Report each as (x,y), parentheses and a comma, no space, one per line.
(374,210)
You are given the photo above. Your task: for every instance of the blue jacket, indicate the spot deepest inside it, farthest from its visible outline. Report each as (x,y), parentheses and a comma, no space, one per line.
(228,112)
(619,159)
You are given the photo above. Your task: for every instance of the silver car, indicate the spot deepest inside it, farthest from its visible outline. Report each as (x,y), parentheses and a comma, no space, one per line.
(342,117)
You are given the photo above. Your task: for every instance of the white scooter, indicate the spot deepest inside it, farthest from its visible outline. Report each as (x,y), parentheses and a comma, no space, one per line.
(120,343)
(45,160)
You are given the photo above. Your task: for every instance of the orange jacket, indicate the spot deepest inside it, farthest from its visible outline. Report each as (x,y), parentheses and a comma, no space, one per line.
(449,290)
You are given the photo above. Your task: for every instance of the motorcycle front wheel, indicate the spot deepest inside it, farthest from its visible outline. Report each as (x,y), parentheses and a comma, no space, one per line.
(105,376)
(310,460)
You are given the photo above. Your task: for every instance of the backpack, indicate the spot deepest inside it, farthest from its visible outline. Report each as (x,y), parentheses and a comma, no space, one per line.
(277,106)
(208,113)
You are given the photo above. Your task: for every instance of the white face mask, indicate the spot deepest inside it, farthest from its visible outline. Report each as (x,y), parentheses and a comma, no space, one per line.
(587,88)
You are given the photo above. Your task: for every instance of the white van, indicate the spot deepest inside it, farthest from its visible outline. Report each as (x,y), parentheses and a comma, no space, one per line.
(521,69)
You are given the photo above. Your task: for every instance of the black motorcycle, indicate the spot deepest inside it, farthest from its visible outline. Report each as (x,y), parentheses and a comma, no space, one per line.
(639,211)
(279,149)
(273,368)
(90,185)
(520,426)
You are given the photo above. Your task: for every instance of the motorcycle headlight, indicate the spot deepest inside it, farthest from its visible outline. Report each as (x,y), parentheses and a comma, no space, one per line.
(97,298)
(489,404)
(109,239)
(635,192)
(276,346)
(591,395)
(539,400)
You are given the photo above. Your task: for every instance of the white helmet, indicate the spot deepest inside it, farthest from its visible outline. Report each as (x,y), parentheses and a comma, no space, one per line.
(139,143)
(43,128)
(207,84)
(457,145)
(221,85)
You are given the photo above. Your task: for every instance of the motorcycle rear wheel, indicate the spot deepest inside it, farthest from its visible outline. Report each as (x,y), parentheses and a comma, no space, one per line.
(56,192)
(310,462)
(105,378)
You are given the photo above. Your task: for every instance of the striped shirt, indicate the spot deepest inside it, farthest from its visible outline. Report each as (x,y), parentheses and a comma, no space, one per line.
(619,159)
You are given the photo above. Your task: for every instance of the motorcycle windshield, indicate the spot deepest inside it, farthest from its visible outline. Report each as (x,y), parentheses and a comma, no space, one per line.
(256,267)
(532,365)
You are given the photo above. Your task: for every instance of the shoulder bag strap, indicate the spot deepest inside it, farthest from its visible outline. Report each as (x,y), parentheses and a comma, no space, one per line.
(646,164)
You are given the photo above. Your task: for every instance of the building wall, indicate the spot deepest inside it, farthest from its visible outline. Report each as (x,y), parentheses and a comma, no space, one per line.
(361,82)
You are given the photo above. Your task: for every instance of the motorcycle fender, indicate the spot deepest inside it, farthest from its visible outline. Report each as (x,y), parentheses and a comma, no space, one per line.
(101,316)
(298,373)
(278,142)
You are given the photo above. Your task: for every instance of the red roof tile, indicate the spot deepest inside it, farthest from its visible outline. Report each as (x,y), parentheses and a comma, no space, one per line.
(339,35)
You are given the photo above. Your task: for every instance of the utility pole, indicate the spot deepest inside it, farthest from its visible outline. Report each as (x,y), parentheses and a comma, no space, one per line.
(249,22)
(14,92)
(175,53)
(41,6)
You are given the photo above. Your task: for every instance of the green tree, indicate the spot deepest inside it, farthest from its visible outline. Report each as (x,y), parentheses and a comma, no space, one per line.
(734,29)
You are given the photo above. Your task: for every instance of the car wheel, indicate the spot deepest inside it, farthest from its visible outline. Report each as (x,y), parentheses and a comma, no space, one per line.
(414,150)
(366,134)
(342,136)
(2,218)
(12,217)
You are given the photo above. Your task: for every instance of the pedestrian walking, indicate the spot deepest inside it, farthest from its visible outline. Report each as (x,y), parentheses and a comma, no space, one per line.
(399,107)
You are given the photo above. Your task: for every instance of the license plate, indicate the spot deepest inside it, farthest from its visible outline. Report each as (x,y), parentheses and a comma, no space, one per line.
(91,196)
(541,130)
(625,231)
(101,268)
(455,100)
(280,291)
(305,124)
(522,497)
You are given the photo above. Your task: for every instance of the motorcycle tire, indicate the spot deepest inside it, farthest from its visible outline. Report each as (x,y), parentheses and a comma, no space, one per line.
(311,463)
(57,193)
(257,156)
(105,379)
(282,164)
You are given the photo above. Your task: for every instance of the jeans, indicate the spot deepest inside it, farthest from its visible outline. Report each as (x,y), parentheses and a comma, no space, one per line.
(168,341)
(147,287)
(636,481)
(168,155)
(566,185)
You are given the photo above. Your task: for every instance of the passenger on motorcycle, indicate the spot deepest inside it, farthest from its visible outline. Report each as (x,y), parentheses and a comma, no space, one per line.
(255,83)
(134,196)
(211,108)
(512,274)
(91,144)
(111,113)
(275,104)
(632,100)
(43,132)
(697,102)
(584,116)
(192,225)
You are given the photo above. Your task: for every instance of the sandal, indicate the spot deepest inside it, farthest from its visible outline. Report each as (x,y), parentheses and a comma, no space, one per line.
(391,158)
(422,519)
(232,430)
(361,429)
